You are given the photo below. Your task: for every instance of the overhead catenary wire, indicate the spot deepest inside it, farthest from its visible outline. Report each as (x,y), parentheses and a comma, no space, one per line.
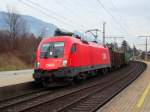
(54,13)
(114,19)
(43,12)
(87,9)
(56,17)
(71,12)
(78,7)
(125,24)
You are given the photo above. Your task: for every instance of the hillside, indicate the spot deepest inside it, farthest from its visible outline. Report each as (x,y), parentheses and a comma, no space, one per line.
(35,25)
(8,61)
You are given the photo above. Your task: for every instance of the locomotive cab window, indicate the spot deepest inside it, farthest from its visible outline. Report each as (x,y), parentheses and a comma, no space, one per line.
(52,50)
(73,48)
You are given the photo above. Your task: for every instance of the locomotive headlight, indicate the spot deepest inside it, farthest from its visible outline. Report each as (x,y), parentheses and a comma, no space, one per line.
(37,64)
(64,63)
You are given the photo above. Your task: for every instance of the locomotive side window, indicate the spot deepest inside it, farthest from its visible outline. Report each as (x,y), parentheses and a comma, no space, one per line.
(73,48)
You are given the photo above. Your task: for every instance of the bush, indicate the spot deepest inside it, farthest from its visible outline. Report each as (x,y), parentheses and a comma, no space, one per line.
(24,46)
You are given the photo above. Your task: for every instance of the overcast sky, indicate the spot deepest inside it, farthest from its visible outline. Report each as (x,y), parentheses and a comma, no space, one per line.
(130,17)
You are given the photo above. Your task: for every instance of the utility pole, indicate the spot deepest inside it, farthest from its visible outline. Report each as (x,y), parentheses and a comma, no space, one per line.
(134,52)
(104,33)
(96,32)
(146,49)
(146,57)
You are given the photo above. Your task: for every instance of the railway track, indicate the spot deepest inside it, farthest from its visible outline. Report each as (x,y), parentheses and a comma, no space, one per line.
(83,97)
(13,91)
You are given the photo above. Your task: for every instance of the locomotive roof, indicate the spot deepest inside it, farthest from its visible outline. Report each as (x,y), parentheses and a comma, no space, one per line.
(71,39)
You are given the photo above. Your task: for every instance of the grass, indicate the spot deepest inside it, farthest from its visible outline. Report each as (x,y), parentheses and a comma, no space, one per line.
(9,62)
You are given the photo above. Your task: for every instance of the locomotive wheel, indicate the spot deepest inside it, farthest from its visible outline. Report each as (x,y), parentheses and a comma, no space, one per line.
(104,71)
(54,84)
(83,76)
(80,77)
(70,80)
(46,83)
(38,81)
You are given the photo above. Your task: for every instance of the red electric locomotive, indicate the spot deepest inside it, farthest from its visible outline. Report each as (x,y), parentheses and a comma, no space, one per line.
(67,57)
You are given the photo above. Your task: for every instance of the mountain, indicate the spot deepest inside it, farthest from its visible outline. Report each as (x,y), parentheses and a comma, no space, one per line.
(36,26)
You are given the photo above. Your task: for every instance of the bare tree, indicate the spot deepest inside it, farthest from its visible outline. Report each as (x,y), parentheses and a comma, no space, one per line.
(16,25)
(17,39)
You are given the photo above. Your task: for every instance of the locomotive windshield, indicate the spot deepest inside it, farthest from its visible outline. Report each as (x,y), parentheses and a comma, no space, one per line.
(52,50)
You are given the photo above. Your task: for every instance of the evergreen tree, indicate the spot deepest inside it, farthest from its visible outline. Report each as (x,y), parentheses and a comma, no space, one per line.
(124,46)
